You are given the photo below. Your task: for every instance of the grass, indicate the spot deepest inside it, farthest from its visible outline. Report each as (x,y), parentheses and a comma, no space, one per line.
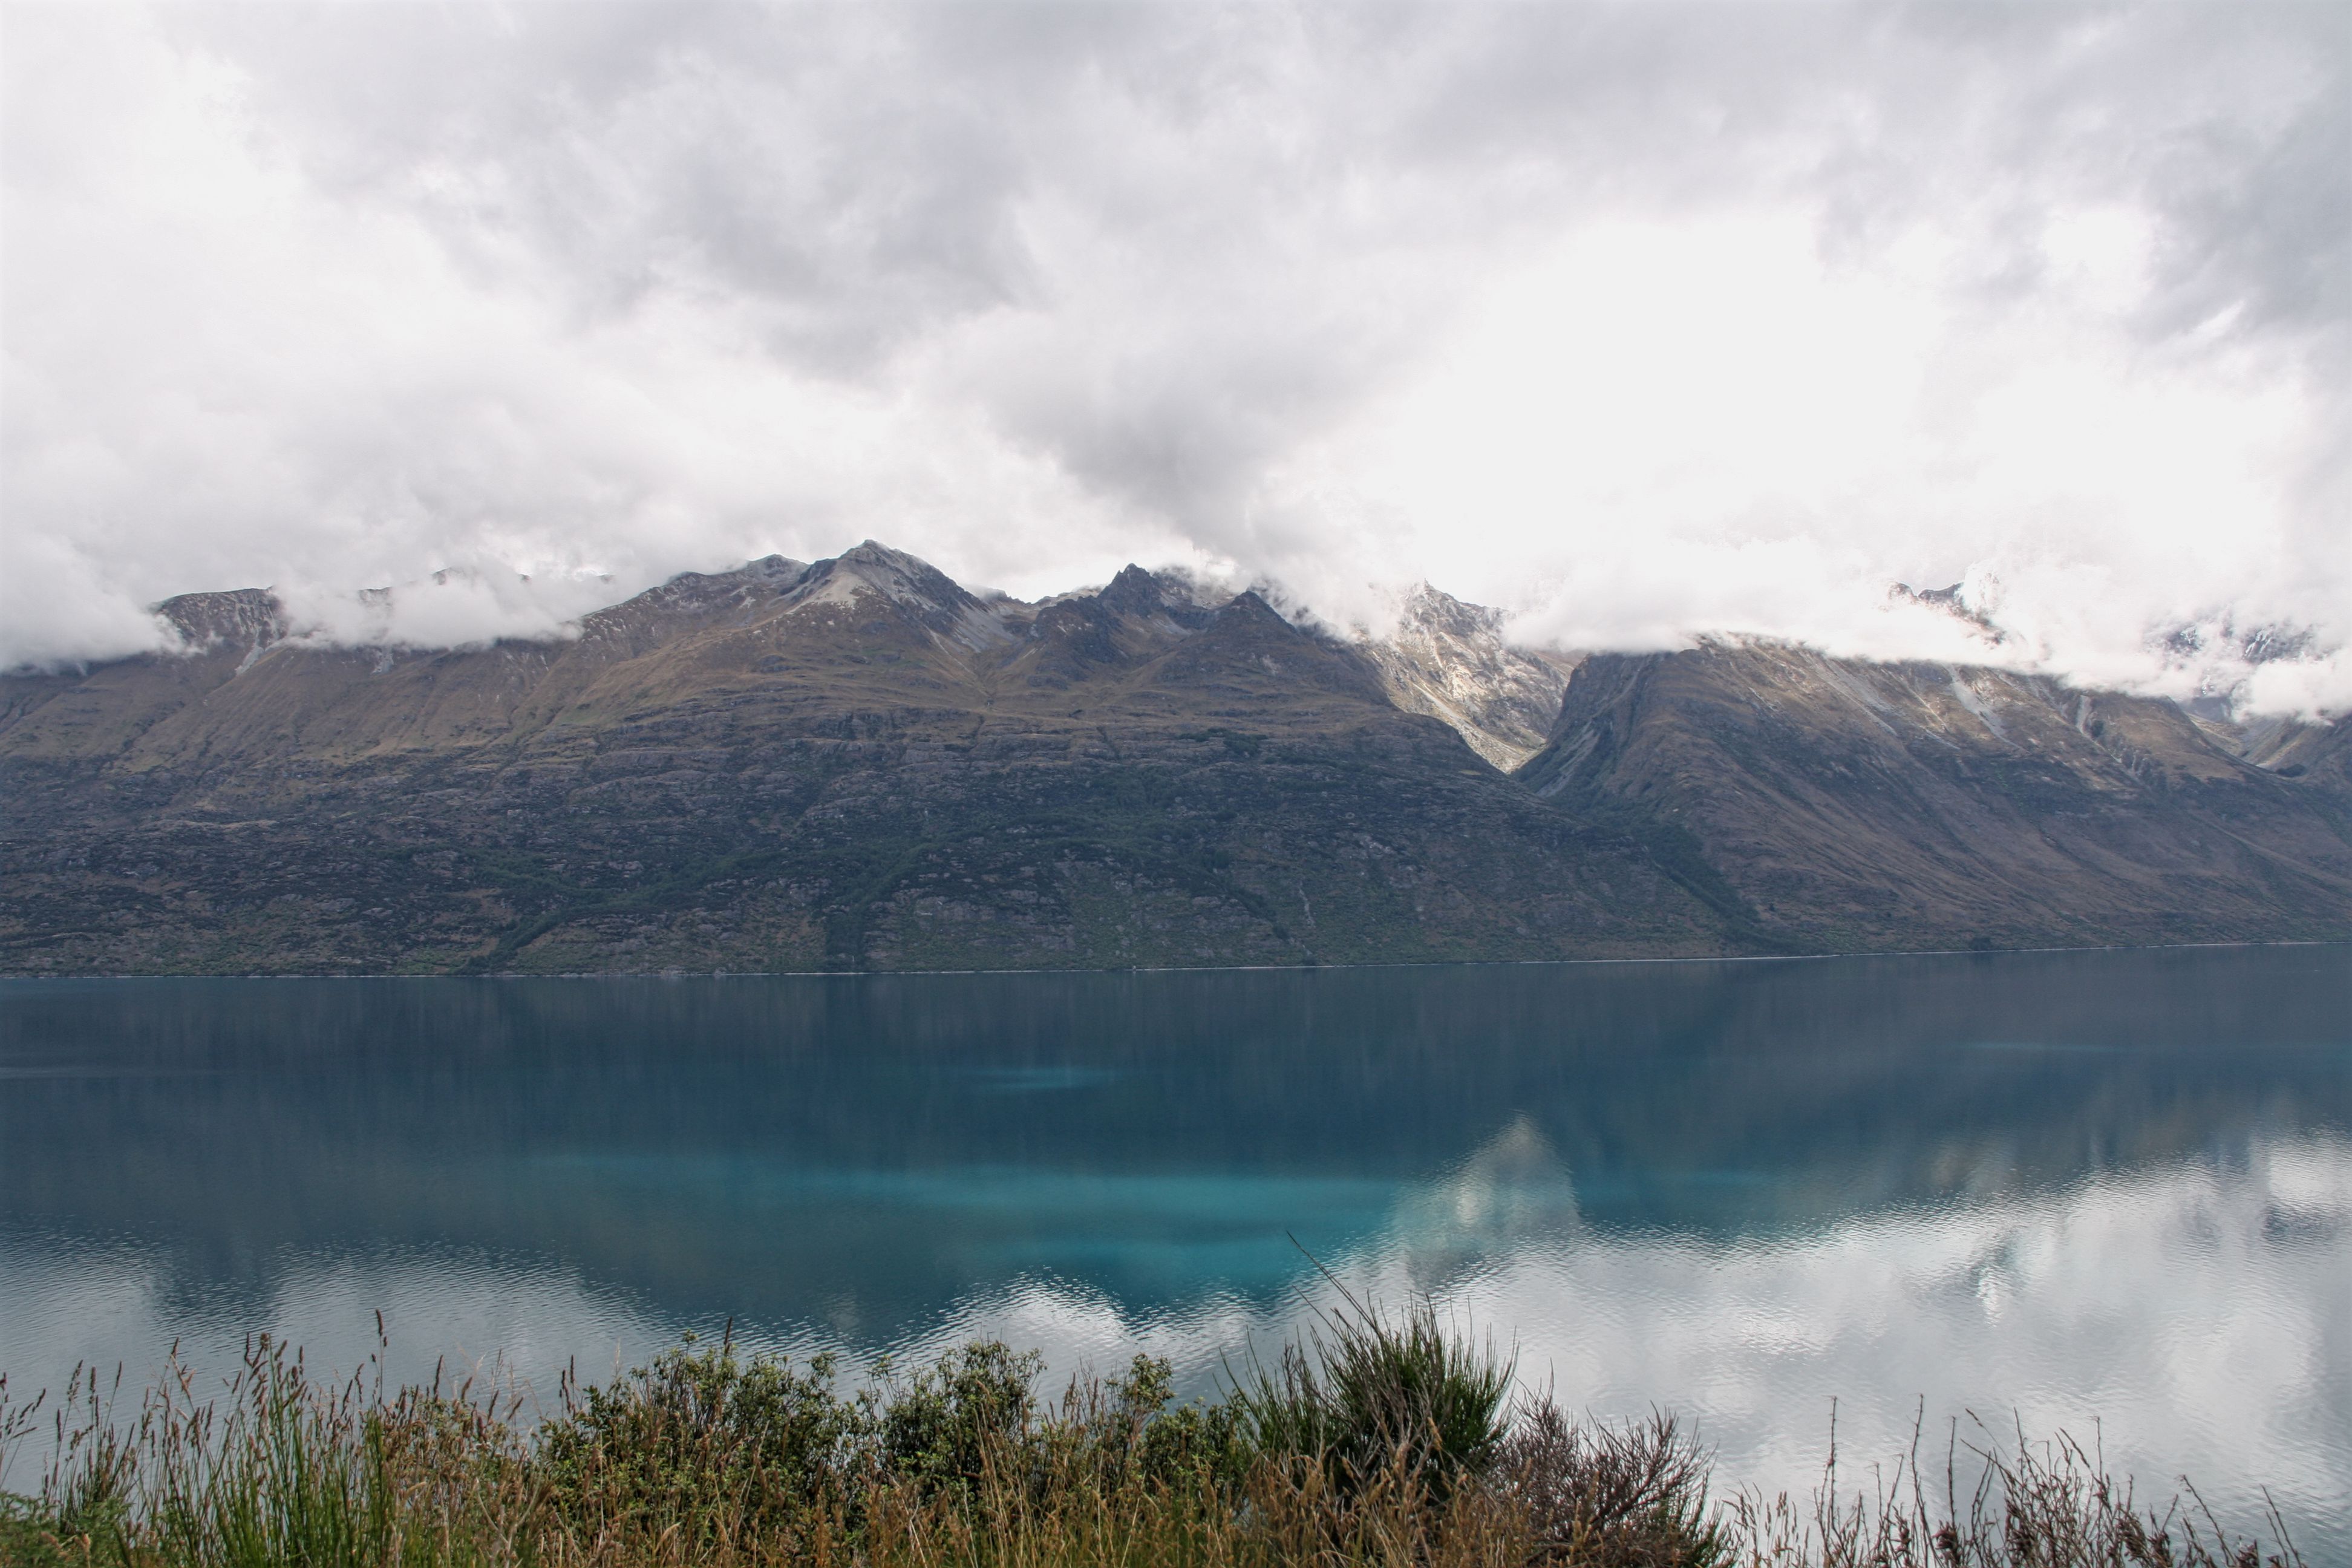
(1378,1439)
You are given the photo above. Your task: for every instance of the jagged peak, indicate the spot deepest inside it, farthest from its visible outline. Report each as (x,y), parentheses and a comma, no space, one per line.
(1426,614)
(693,592)
(1953,602)
(250,617)
(1250,605)
(2228,663)
(1134,592)
(1450,659)
(758,573)
(934,600)
(895,575)
(872,555)
(1183,588)
(1424,604)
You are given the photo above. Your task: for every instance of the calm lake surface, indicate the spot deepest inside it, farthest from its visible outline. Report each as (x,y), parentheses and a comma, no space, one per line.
(2110,1188)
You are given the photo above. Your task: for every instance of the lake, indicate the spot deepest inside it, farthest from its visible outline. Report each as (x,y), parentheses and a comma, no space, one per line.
(2104,1192)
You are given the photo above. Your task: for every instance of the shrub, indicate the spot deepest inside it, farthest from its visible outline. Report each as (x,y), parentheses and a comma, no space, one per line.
(704,1445)
(957,1423)
(1601,1497)
(1365,1395)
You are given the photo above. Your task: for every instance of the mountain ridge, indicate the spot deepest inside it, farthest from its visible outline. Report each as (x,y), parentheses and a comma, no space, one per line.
(858,763)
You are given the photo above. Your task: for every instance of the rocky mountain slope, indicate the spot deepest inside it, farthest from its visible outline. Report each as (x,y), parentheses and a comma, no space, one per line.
(850,764)
(859,765)
(1909,805)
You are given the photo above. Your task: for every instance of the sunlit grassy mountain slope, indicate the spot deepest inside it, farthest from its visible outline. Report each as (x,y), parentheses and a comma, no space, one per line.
(858,764)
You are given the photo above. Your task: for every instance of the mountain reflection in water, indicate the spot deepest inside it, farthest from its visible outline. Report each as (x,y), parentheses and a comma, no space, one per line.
(2111,1187)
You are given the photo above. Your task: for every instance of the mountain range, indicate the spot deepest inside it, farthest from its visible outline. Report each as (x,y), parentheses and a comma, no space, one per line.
(859,765)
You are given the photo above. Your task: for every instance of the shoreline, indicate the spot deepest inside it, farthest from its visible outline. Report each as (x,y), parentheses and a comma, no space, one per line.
(2343,942)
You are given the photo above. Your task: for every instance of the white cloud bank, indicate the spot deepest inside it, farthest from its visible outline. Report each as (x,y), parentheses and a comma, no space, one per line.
(1641,321)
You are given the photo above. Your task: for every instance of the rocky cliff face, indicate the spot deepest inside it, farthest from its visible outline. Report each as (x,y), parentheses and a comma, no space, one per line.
(1449,660)
(856,763)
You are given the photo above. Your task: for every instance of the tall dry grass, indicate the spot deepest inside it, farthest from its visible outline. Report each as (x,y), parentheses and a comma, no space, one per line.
(1377,1441)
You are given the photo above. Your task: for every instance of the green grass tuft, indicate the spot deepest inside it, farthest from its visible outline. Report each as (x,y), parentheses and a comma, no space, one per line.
(1366,1395)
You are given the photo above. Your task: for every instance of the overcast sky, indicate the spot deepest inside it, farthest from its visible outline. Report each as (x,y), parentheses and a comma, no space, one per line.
(1640,321)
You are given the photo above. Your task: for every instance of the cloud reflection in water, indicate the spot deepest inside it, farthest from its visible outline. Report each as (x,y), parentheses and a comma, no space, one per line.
(2191,1314)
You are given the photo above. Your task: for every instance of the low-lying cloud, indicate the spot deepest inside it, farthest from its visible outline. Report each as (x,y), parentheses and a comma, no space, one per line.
(1640,322)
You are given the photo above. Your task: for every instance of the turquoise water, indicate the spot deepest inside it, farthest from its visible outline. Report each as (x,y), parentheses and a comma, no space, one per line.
(2110,1188)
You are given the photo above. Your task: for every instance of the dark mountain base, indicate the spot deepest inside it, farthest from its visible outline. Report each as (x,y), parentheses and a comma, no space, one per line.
(809,855)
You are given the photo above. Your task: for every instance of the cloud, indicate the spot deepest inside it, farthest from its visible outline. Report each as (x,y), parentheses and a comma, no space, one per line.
(1641,321)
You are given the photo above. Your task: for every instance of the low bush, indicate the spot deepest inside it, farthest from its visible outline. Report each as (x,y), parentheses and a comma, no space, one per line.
(703,1449)
(1629,1497)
